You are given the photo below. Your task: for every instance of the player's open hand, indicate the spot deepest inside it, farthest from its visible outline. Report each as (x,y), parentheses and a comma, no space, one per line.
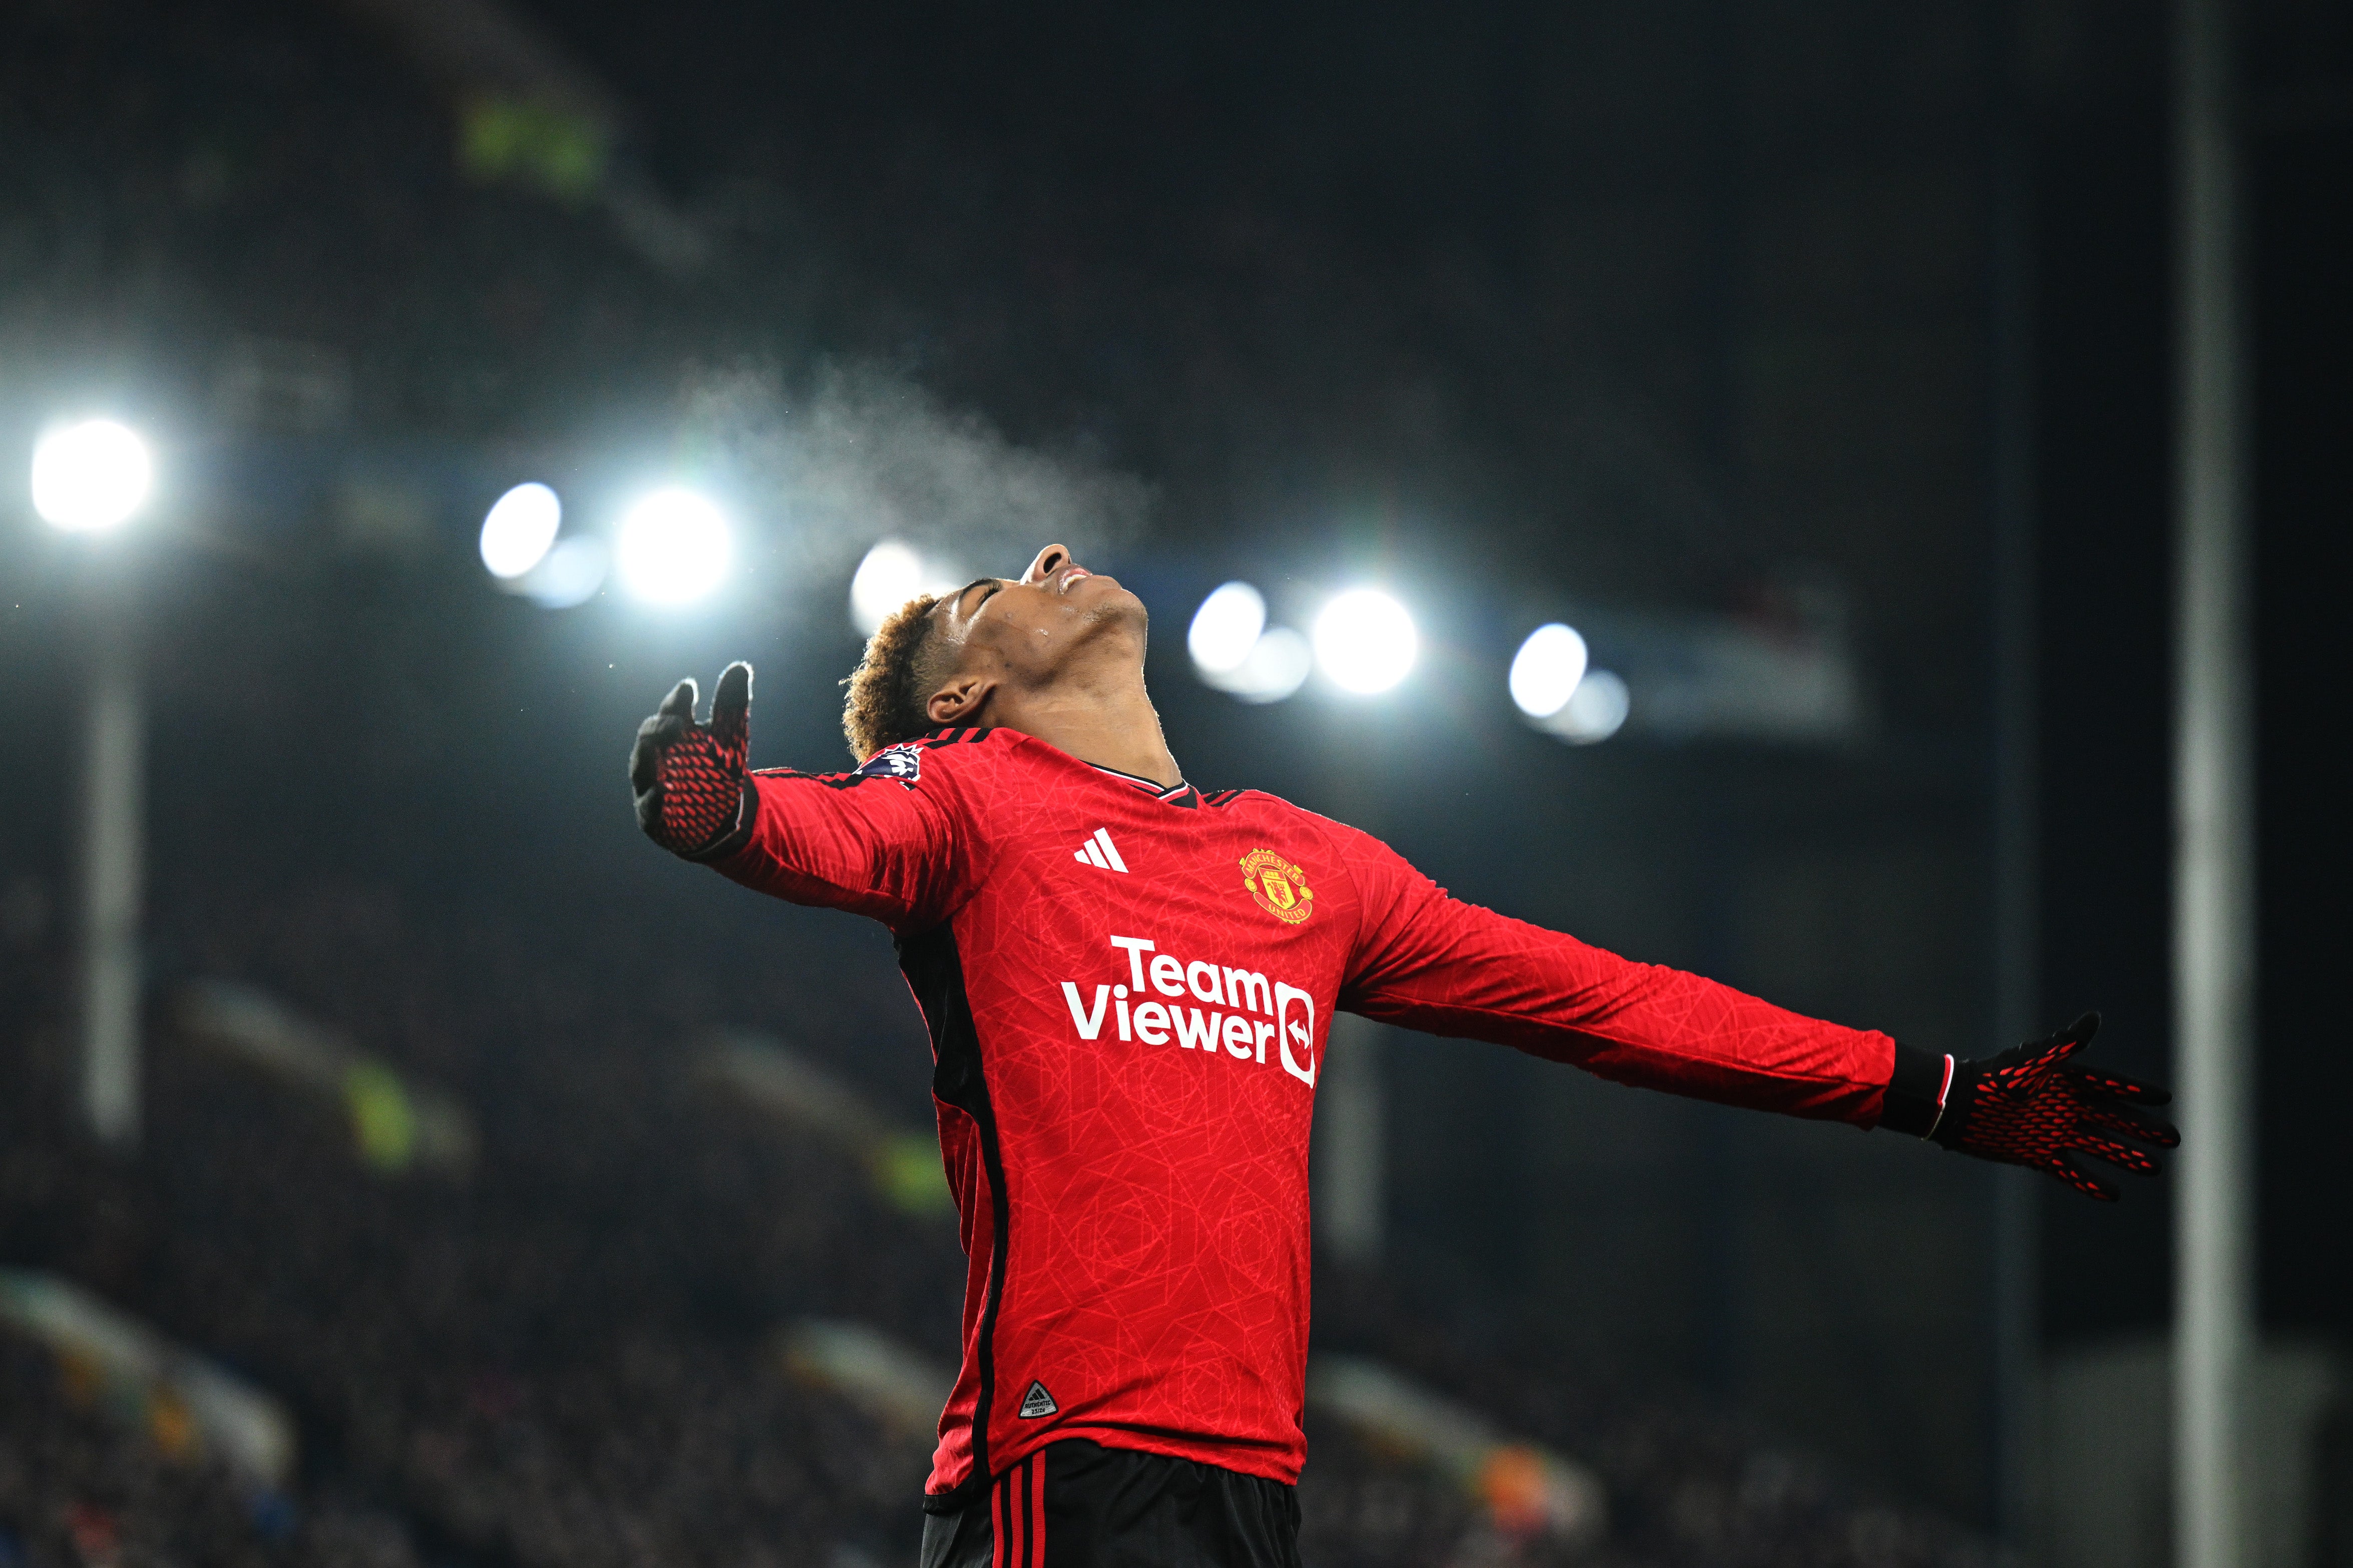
(688,777)
(2033,1106)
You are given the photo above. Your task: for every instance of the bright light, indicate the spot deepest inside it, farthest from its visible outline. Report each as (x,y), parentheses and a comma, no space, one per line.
(570,575)
(674,547)
(90,477)
(1546,669)
(892,573)
(1226,628)
(1275,667)
(1365,641)
(521,526)
(1235,651)
(1594,710)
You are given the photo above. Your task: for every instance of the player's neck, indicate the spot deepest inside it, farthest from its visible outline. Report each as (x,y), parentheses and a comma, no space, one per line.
(1109,723)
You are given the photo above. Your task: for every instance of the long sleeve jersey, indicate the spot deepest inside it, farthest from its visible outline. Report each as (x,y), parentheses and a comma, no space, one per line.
(1128,991)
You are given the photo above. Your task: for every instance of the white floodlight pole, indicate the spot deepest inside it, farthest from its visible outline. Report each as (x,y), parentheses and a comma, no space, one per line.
(1350,1187)
(1351,1122)
(87,480)
(2213,936)
(113,875)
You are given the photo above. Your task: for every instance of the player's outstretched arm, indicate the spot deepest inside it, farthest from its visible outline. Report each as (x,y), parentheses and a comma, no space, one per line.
(1429,961)
(2033,1105)
(879,841)
(689,777)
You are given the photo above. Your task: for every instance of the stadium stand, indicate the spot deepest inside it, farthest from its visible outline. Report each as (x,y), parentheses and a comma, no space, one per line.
(397,1126)
(188,1408)
(80,1489)
(816,1104)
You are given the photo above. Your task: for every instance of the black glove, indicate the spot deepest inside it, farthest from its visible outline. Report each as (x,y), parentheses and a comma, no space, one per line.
(2032,1106)
(694,798)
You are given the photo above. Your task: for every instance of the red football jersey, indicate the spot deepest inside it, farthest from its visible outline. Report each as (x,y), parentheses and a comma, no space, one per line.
(1128,990)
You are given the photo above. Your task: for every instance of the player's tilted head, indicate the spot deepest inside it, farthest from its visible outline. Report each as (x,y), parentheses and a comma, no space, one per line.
(995,649)
(906,661)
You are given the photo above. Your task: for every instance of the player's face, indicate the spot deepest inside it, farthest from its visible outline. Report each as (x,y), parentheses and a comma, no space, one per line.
(1031,628)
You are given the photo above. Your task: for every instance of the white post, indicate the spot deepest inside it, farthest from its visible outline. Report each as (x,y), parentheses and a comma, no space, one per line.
(113,833)
(1351,1179)
(2213,952)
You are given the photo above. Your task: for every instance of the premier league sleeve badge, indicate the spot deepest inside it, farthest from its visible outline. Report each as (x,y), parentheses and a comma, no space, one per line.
(904,762)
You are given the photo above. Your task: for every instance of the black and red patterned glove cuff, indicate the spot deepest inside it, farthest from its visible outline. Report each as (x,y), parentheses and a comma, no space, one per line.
(747,816)
(2035,1105)
(1916,1091)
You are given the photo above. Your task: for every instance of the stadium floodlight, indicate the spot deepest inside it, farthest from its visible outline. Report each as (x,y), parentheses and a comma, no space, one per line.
(1547,670)
(674,547)
(1235,651)
(1225,629)
(1594,711)
(893,573)
(1364,641)
(90,477)
(1275,667)
(570,575)
(519,530)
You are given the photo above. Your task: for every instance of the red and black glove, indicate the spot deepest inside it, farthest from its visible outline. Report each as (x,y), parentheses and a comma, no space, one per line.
(693,792)
(2032,1106)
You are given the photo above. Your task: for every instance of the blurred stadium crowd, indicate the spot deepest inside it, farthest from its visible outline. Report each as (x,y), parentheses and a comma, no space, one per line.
(565,1354)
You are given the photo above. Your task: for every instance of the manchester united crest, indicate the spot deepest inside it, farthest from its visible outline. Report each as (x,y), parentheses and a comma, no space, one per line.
(1279,886)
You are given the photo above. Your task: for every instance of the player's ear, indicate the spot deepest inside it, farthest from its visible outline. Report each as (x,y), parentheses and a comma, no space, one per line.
(960,701)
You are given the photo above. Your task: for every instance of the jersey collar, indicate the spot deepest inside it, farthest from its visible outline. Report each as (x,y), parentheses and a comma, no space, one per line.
(1178,793)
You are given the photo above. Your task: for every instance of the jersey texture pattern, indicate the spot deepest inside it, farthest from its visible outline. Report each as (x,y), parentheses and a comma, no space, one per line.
(1128,991)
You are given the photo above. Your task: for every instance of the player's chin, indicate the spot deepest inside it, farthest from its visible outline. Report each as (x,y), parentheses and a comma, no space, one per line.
(1092,584)
(1104,596)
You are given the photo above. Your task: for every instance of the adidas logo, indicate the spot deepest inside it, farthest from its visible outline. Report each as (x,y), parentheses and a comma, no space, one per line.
(1098,851)
(1037,1401)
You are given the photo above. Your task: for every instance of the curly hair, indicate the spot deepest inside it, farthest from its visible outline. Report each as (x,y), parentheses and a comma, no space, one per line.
(904,661)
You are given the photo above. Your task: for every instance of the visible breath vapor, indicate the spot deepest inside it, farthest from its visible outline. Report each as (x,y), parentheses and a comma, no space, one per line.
(866,454)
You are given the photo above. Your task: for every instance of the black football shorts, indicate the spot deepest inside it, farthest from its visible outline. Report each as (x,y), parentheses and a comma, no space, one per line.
(1079,1505)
